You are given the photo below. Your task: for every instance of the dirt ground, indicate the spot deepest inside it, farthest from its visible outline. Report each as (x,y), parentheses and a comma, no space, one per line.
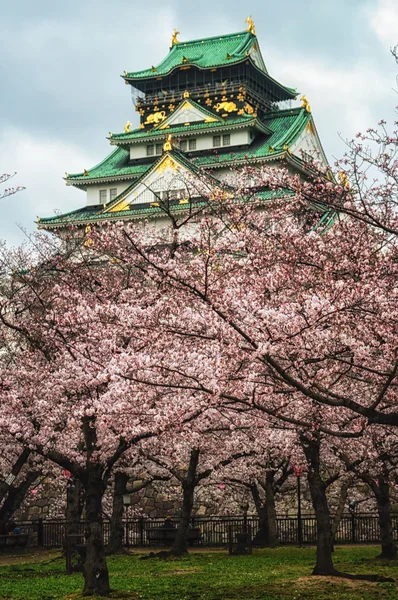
(30,555)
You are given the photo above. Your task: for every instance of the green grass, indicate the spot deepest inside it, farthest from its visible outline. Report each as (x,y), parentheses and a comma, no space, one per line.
(277,574)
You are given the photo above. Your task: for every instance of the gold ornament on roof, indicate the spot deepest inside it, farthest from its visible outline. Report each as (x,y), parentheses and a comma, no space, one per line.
(66,175)
(168,145)
(86,173)
(186,94)
(174,40)
(305,104)
(88,241)
(155,118)
(127,127)
(227,106)
(343,179)
(167,163)
(251,27)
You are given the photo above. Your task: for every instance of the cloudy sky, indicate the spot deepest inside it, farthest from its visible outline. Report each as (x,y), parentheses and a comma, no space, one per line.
(61,92)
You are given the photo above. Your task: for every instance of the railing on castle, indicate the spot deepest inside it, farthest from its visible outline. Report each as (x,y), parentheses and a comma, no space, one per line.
(359,528)
(204,91)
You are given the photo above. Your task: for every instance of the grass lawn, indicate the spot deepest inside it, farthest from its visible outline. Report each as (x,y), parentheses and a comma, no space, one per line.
(277,574)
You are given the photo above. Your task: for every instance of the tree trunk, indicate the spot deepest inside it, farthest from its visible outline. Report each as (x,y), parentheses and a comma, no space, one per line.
(340,508)
(74,508)
(273,540)
(324,561)
(96,577)
(382,494)
(16,495)
(261,537)
(116,531)
(267,533)
(180,545)
(19,463)
(74,505)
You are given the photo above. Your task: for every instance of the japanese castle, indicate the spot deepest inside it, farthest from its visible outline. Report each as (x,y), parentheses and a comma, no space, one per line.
(209,107)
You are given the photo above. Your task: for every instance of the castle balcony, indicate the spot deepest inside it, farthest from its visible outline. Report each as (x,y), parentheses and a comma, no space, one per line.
(245,89)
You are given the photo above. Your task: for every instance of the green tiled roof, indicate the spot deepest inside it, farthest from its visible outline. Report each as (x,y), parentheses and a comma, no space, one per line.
(116,164)
(204,53)
(286,126)
(140,135)
(95,214)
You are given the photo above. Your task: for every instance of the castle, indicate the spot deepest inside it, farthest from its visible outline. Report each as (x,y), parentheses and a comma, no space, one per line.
(209,107)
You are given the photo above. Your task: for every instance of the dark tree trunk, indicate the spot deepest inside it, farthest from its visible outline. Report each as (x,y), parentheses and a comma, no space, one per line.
(15,497)
(382,494)
(180,545)
(116,531)
(96,577)
(273,540)
(340,508)
(19,463)
(261,537)
(74,509)
(267,534)
(324,561)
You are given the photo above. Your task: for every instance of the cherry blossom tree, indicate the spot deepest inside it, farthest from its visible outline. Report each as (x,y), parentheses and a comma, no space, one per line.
(198,452)
(11,190)
(66,322)
(297,301)
(373,460)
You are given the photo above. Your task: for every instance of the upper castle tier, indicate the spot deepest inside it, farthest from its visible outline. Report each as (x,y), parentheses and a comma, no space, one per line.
(209,104)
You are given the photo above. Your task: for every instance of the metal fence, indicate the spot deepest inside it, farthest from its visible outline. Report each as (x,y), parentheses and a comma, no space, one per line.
(356,528)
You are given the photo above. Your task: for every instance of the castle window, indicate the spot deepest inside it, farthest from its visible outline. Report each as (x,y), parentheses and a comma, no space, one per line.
(113,194)
(176,194)
(183,145)
(159,148)
(150,150)
(102,196)
(192,144)
(216,141)
(226,140)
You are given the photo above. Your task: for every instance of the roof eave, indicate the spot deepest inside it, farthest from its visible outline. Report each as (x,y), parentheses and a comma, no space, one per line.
(223,126)
(85,182)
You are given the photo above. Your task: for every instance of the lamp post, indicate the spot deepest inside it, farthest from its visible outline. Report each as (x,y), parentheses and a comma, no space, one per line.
(298,471)
(127,503)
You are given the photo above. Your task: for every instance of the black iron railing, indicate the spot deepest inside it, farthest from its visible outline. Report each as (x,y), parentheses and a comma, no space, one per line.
(355,528)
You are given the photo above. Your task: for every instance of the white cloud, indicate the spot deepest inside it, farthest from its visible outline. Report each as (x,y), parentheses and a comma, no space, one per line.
(40,165)
(343,101)
(383,19)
